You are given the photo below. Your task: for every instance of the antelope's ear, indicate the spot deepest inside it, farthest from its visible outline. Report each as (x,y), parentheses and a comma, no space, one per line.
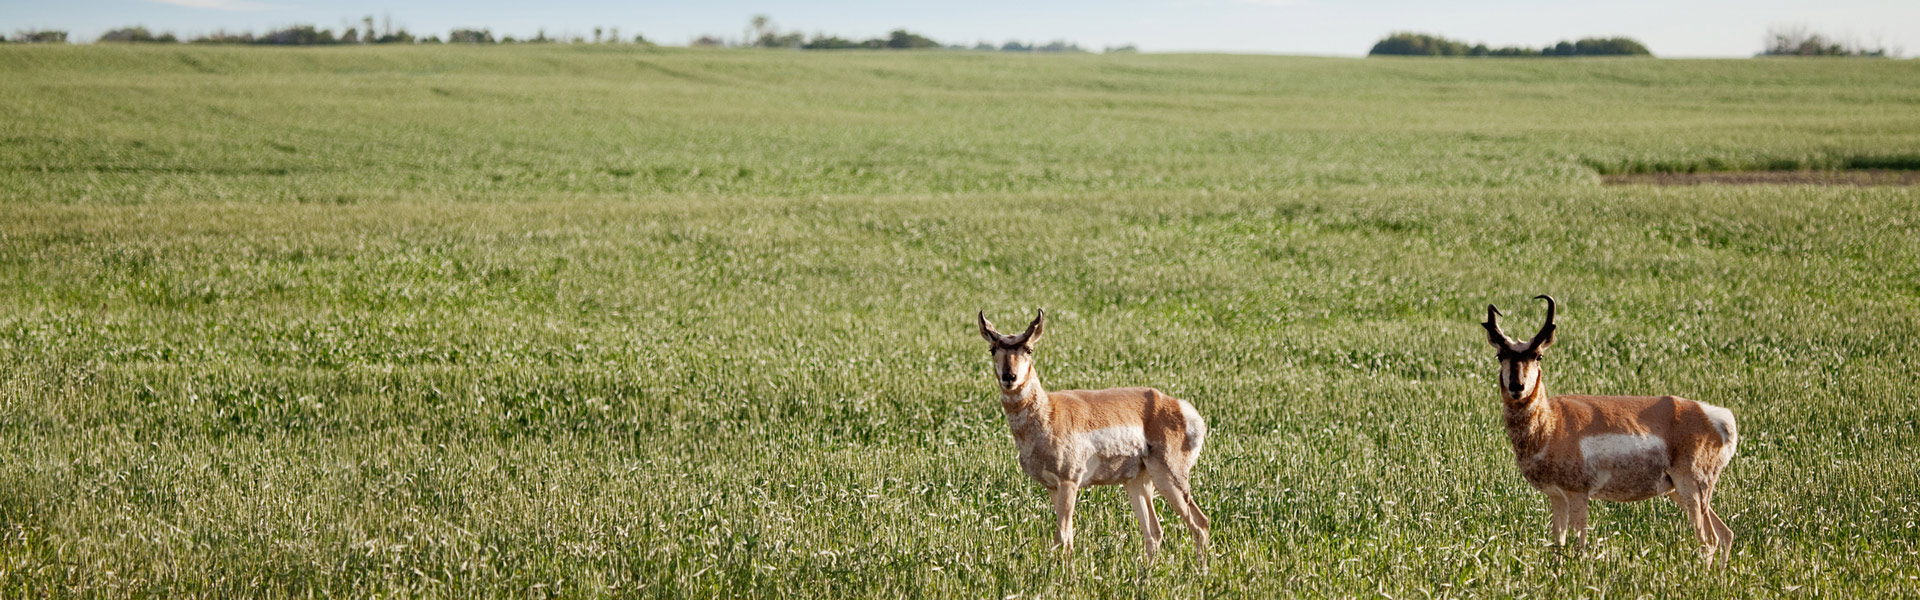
(1034,329)
(987,331)
(1497,338)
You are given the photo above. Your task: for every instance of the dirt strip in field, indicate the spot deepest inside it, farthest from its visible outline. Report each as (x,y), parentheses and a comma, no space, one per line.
(1862,177)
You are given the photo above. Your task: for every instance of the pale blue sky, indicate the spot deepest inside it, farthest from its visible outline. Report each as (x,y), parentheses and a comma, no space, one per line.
(1670,27)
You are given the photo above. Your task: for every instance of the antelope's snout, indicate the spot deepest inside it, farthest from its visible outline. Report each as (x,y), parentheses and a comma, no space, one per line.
(1514,389)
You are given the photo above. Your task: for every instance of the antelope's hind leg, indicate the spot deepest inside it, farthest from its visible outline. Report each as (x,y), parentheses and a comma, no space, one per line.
(1725,535)
(1722,535)
(1174,487)
(1689,495)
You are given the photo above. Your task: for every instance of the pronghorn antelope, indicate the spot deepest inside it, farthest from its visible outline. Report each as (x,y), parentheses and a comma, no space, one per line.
(1619,448)
(1071,439)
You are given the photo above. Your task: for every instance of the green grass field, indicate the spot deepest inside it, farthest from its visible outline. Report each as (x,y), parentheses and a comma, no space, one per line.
(574,321)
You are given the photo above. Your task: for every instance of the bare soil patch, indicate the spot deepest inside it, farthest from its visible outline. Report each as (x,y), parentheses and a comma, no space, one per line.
(1862,177)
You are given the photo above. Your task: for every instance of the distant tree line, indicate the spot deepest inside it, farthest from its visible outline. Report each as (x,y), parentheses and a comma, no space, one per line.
(309,35)
(137,34)
(899,39)
(1421,44)
(761,33)
(1798,41)
(36,36)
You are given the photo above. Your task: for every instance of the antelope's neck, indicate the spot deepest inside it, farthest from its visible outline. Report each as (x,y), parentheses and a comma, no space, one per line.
(1028,408)
(1529,420)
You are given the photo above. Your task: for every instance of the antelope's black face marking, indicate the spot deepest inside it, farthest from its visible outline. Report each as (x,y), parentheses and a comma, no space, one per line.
(1519,372)
(1011,364)
(1012,354)
(1519,361)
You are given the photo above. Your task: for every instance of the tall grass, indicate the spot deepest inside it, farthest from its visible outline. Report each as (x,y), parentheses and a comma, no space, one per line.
(382,372)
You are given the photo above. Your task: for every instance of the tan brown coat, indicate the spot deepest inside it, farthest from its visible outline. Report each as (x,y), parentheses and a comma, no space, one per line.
(1617,448)
(1136,437)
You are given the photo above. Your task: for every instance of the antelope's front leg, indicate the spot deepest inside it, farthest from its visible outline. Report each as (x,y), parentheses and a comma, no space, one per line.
(1577,519)
(1141,497)
(1558,501)
(1063,497)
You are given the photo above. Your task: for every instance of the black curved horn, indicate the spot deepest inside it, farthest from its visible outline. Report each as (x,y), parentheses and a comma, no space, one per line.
(1494,335)
(1545,336)
(987,330)
(1034,329)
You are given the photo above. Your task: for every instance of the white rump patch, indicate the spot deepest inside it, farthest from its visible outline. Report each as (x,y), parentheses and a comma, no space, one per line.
(1196,427)
(1722,420)
(1723,425)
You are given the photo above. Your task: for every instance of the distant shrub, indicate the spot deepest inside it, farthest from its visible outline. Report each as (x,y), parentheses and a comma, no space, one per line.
(298,35)
(781,40)
(1053,46)
(222,37)
(1122,49)
(41,36)
(706,41)
(470,36)
(137,34)
(1418,44)
(834,42)
(1059,46)
(1421,44)
(1614,46)
(901,39)
(1798,41)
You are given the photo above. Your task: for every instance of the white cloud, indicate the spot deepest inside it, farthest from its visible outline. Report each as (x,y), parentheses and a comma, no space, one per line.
(217,4)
